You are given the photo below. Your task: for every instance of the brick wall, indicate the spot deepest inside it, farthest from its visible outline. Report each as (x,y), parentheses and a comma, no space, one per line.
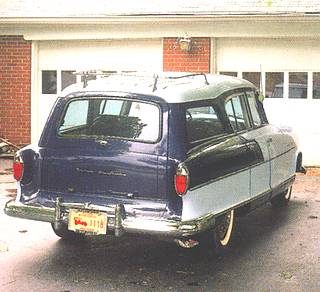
(197,60)
(15,89)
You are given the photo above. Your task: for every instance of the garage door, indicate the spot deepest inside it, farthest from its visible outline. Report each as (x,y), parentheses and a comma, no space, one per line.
(288,73)
(57,60)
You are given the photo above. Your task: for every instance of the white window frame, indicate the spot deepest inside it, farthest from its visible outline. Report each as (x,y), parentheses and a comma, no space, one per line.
(285,81)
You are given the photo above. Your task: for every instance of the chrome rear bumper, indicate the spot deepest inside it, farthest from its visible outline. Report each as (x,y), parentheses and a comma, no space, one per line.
(118,221)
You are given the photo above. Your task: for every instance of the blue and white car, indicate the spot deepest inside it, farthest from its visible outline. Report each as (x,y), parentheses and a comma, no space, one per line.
(173,155)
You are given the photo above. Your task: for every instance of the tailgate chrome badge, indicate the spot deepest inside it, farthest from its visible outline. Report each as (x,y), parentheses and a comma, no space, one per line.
(102,172)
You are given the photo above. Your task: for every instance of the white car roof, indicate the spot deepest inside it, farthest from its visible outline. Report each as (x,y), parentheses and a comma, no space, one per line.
(172,87)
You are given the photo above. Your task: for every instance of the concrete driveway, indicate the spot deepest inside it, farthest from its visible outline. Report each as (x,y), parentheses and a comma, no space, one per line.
(273,250)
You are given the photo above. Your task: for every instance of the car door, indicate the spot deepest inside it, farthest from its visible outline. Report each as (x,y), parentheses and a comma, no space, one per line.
(278,148)
(240,120)
(260,132)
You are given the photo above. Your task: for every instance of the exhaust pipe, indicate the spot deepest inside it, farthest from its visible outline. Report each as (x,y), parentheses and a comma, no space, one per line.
(186,243)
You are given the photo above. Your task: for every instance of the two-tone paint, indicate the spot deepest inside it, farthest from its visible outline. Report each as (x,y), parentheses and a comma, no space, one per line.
(133,182)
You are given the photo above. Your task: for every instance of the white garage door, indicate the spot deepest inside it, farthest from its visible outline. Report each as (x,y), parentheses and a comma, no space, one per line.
(290,76)
(57,60)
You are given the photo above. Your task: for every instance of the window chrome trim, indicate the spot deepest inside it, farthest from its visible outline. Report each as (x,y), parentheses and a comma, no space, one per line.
(74,98)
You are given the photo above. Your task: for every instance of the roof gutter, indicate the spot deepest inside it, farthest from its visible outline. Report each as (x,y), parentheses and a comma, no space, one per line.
(161,26)
(167,18)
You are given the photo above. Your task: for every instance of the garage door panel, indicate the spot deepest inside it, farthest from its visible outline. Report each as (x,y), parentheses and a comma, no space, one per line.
(110,55)
(245,54)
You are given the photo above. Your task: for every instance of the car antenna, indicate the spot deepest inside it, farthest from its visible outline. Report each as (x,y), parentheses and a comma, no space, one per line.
(192,75)
(85,79)
(261,97)
(261,85)
(205,78)
(156,77)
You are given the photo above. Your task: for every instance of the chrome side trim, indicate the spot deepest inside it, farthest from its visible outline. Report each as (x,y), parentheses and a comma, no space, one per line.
(238,171)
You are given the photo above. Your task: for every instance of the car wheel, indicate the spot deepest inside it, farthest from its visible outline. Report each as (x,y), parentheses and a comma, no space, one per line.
(213,241)
(282,199)
(66,234)
(223,231)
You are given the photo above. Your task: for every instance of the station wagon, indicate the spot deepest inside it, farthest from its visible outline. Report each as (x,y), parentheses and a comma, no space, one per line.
(171,155)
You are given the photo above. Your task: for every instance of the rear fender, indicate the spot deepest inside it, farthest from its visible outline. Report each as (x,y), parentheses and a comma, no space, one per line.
(30,182)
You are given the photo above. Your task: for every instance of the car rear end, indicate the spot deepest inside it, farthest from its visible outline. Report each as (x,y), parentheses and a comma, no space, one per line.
(101,166)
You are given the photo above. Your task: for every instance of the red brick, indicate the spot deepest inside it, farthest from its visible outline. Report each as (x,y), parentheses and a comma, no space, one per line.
(15,89)
(198,60)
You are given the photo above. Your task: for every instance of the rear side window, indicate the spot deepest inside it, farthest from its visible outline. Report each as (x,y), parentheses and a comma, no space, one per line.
(237,113)
(256,119)
(113,118)
(202,123)
(76,115)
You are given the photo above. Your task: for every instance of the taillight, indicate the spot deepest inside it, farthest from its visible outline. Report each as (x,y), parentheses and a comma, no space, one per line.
(17,168)
(181,180)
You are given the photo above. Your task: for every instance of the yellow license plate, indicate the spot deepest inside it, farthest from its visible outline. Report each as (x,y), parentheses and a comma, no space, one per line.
(87,222)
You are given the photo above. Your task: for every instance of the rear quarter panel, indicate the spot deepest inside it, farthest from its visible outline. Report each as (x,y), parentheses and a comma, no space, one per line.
(219,176)
(283,158)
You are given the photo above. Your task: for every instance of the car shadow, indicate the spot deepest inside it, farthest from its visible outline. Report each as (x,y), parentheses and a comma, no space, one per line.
(147,263)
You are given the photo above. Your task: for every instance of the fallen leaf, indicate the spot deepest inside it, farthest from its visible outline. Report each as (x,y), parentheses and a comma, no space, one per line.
(23,231)
(313,217)
(286,275)
(185,272)
(195,284)
(140,283)
(11,190)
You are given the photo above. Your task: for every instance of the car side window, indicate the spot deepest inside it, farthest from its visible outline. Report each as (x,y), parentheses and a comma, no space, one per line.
(256,119)
(237,113)
(202,123)
(76,115)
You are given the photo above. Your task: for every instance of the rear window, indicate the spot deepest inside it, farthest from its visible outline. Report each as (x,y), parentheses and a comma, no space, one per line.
(113,118)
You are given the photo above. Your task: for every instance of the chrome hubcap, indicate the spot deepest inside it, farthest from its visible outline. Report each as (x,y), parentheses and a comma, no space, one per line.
(288,193)
(225,228)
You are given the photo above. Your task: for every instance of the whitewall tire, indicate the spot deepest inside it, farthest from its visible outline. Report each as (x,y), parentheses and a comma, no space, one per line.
(282,199)
(222,233)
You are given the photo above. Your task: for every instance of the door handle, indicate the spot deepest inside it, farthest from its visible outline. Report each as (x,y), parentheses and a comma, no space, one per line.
(269,140)
(101,142)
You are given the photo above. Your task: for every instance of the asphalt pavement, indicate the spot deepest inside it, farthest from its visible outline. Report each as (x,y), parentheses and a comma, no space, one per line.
(272,250)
